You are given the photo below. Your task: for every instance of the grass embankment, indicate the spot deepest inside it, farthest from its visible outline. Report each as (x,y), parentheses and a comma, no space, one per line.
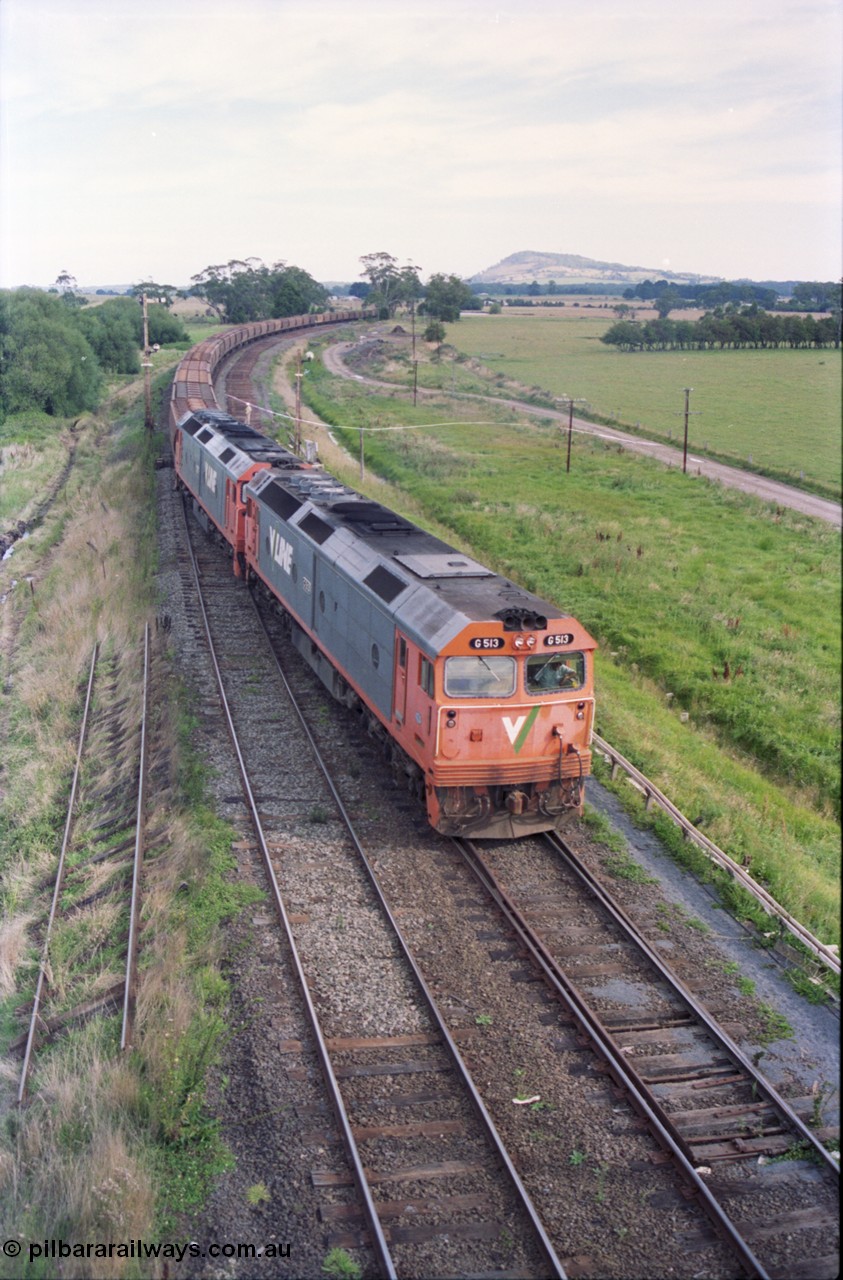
(781,408)
(717,617)
(109,1147)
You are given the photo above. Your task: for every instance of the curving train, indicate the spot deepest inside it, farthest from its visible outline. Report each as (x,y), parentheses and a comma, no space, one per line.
(481,693)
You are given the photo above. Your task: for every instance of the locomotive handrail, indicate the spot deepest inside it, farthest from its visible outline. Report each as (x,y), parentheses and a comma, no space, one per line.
(824,952)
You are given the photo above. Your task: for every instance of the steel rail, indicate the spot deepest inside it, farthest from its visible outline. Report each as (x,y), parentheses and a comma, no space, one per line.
(380,1246)
(134,908)
(557,1271)
(68,826)
(626,1078)
(823,951)
(762,1085)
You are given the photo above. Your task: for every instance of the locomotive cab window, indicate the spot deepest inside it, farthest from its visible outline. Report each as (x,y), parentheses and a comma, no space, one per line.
(426,676)
(559,671)
(479,677)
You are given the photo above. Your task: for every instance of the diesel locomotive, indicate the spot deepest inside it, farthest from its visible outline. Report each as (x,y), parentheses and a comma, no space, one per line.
(481,693)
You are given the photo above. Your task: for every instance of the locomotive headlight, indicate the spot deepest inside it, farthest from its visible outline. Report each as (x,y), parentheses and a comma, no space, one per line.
(524,642)
(518,642)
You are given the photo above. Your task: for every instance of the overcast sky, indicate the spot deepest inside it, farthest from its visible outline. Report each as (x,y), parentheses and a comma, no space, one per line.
(149,140)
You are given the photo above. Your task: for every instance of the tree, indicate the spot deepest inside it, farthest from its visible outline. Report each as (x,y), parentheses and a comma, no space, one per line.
(435,332)
(114,330)
(245,289)
(667,300)
(446,296)
(47,361)
(389,285)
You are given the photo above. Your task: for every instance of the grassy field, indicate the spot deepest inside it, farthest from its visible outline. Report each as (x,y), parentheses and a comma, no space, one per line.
(717,616)
(782,408)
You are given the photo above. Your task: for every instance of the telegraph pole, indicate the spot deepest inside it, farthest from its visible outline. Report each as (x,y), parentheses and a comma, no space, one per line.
(147,367)
(688,391)
(297,435)
(571,402)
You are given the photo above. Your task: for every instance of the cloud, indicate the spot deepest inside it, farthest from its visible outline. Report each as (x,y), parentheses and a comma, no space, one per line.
(423,118)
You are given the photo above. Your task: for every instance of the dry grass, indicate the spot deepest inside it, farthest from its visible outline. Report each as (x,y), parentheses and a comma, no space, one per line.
(75,1158)
(14,942)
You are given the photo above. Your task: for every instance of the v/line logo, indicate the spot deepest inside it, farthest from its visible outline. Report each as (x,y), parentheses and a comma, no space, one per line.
(280,550)
(518,729)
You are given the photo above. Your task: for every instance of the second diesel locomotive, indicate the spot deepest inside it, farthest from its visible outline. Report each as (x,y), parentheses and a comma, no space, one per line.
(481,693)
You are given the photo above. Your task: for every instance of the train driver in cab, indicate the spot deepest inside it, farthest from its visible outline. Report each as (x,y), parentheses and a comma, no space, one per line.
(544,674)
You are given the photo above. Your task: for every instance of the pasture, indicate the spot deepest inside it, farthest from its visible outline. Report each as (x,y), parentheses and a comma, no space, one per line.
(779,408)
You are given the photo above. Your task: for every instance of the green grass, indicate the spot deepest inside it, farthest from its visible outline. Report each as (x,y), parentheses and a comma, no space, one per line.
(717,617)
(780,407)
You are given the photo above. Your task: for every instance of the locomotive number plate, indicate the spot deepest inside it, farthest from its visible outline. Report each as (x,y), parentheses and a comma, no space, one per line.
(486,642)
(559,641)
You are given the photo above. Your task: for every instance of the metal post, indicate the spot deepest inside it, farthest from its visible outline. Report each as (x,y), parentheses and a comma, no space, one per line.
(688,391)
(570,432)
(415,380)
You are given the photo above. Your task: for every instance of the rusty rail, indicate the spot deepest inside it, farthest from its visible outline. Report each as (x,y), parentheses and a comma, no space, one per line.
(68,827)
(134,909)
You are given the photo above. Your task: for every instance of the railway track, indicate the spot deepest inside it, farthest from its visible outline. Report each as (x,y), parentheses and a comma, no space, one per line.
(94,863)
(709,1107)
(436,1192)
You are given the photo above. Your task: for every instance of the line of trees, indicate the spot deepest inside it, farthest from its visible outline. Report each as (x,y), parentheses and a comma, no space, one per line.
(666,295)
(735,327)
(55,351)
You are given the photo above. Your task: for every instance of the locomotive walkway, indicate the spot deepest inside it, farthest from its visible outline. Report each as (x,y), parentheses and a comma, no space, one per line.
(733,477)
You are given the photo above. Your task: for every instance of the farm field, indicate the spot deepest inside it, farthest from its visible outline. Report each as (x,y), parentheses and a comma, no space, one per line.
(718,617)
(781,408)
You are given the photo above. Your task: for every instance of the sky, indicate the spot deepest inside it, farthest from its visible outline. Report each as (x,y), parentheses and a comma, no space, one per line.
(151,140)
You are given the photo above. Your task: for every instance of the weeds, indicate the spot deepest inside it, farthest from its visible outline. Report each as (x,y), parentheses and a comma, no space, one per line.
(341,1265)
(624,867)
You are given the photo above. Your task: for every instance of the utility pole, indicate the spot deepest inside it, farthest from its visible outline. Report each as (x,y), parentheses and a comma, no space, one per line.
(571,402)
(147,367)
(688,414)
(297,435)
(415,361)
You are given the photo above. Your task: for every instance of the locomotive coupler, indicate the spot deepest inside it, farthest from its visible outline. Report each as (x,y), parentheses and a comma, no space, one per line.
(516,802)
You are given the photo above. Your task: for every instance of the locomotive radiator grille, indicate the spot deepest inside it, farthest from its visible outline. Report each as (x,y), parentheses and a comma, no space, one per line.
(468,774)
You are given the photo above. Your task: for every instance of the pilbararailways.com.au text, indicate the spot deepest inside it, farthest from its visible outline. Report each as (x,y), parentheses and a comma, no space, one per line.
(142,1249)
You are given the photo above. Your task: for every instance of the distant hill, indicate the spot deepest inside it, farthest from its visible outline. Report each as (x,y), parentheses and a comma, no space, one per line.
(569,268)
